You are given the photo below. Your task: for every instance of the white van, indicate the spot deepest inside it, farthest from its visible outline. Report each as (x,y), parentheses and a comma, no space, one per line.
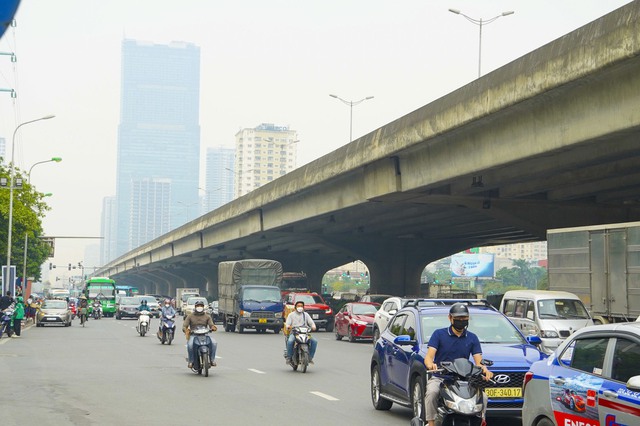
(551,315)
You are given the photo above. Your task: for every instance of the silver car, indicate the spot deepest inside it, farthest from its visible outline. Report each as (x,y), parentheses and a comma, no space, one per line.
(593,378)
(54,311)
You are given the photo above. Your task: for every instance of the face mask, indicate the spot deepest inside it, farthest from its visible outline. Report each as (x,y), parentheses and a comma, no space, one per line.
(166,305)
(199,309)
(460,324)
(300,309)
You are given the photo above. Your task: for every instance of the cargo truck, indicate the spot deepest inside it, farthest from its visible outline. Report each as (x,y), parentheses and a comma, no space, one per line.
(182,294)
(249,295)
(601,265)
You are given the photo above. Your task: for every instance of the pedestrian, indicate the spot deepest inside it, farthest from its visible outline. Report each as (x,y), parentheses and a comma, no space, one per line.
(29,308)
(18,316)
(6,301)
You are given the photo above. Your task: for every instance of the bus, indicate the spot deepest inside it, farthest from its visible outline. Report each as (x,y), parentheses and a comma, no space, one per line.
(104,289)
(127,290)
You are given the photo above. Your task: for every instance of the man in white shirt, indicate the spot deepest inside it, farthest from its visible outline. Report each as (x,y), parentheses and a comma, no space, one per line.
(299,318)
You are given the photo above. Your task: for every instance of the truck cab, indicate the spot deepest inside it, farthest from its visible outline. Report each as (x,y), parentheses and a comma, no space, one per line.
(259,308)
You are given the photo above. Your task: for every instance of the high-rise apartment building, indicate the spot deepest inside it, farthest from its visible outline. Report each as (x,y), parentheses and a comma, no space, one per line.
(108,230)
(219,177)
(158,139)
(263,154)
(528,251)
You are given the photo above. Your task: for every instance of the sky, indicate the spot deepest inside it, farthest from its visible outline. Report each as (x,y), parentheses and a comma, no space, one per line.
(262,61)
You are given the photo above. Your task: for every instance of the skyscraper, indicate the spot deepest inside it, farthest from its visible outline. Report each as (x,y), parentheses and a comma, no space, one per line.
(219,177)
(263,154)
(158,139)
(108,230)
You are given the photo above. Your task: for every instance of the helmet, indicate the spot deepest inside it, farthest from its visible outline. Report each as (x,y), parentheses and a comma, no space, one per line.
(167,301)
(19,299)
(199,303)
(459,310)
(144,301)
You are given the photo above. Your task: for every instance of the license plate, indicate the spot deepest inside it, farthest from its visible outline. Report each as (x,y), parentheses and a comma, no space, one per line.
(504,392)
(50,319)
(314,316)
(262,320)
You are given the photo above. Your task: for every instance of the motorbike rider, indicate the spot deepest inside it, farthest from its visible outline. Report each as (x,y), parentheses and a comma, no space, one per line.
(83,306)
(448,344)
(96,304)
(166,310)
(299,318)
(199,318)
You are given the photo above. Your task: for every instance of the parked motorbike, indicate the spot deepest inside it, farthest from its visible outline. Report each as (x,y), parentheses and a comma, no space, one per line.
(201,355)
(167,328)
(97,311)
(302,340)
(5,323)
(461,400)
(143,323)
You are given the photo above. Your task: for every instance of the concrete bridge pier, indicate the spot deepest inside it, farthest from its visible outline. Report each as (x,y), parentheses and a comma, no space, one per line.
(210,274)
(159,285)
(191,277)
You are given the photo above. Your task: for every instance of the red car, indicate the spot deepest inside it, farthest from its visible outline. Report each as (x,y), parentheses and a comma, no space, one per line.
(572,400)
(355,321)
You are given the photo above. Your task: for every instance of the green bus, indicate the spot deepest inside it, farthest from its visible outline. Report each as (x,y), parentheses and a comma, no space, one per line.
(105,290)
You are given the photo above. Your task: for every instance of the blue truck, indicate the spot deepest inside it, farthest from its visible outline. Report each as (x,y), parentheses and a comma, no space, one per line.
(249,295)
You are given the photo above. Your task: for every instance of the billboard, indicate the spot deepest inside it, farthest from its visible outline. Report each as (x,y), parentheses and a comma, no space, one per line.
(472,265)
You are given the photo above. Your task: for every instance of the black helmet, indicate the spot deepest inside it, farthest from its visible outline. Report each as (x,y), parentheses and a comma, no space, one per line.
(459,310)
(199,303)
(144,301)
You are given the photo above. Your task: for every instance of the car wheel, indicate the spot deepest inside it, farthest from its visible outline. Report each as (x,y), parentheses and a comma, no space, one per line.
(545,422)
(329,327)
(379,403)
(352,339)
(376,335)
(417,398)
(338,336)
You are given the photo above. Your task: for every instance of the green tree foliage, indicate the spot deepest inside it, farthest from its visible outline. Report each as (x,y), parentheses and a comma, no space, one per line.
(29,209)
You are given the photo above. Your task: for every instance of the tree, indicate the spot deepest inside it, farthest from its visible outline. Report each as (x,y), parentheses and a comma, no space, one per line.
(28,211)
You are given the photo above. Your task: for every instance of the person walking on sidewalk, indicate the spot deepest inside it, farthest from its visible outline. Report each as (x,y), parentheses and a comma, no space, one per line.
(18,316)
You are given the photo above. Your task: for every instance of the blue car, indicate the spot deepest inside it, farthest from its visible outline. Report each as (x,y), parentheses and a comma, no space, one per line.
(592,379)
(398,374)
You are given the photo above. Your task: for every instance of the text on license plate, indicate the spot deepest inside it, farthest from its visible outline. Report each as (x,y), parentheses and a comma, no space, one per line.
(50,319)
(314,316)
(262,321)
(503,392)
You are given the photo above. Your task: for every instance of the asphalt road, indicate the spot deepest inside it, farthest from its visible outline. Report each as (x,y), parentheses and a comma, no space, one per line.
(105,373)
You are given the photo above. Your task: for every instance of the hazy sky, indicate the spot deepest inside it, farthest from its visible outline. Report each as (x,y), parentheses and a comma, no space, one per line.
(262,61)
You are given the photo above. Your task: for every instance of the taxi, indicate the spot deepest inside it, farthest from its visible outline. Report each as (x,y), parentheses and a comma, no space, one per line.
(593,379)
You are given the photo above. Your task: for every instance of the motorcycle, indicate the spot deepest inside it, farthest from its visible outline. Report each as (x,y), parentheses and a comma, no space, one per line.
(83,315)
(143,323)
(97,311)
(167,328)
(6,325)
(461,400)
(201,355)
(302,340)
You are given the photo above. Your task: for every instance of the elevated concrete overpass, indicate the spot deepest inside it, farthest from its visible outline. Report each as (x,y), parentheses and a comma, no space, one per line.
(549,140)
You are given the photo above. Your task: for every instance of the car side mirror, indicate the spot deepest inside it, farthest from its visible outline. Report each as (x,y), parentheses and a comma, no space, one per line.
(634,383)
(404,340)
(534,340)
(392,312)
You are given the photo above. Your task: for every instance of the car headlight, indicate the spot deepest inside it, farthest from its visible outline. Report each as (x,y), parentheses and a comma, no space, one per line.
(328,311)
(549,334)
(463,406)
(360,322)
(278,315)
(245,314)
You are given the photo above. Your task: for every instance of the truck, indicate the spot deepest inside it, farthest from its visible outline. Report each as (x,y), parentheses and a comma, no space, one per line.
(182,294)
(249,295)
(293,281)
(601,265)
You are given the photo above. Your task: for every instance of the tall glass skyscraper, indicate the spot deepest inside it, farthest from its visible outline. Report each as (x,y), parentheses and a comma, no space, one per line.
(158,140)
(219,177)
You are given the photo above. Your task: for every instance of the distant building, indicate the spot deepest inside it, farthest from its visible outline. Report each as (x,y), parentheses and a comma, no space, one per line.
(531,252)
(3,150)
(108,231)
(263,154)
(158,140)
(219,178)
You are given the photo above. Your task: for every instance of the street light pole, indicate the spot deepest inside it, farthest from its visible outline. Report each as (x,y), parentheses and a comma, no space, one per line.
(480,23)
(54,159)
(11,178)
(351,104)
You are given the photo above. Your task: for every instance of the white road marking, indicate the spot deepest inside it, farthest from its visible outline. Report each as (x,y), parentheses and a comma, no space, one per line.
(324,395)
(255,371)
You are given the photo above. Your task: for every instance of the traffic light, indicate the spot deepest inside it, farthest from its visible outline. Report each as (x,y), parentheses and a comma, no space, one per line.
(69,266)
(50,266)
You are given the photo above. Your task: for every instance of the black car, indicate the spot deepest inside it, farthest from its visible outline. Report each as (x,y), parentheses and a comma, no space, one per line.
(127,307)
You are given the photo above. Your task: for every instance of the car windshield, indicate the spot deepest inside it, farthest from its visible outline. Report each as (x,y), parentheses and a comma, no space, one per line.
(488,328)
(193,300)
(54,304)
(129,301)
(258,294)
(150,300)
(364,309)
(309,299)
(562,309)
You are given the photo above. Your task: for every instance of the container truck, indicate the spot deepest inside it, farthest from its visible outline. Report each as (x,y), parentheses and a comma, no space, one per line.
(249,295)
(600,264)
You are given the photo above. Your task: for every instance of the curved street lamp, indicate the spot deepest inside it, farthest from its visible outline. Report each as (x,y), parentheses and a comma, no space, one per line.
(480,23)
(5,286)
(351,104)
(54,159)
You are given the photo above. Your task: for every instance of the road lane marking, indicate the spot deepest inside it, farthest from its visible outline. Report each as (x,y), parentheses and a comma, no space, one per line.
(256,371)
(324,395)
